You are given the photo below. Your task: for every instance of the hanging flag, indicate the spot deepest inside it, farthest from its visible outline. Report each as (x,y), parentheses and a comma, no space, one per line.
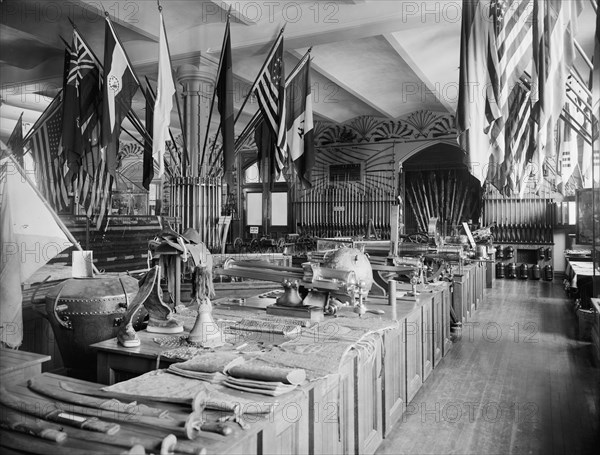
(478,107)
(299,116)
(554,29)
(164,100)
(44,142)
(592,157)
(518,139)
(265,144)
(225,105)
(82,102)
(30,237)
(94,187)
(148,161)
(568,154)
(120,85)
(510,59)
(270,92)
(15,141)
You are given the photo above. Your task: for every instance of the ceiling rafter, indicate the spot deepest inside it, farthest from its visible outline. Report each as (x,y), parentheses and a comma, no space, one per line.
(346,87)
(236,13)
(429,86)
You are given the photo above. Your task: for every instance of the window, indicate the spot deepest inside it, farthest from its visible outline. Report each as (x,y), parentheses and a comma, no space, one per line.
(345,172)
(279,208)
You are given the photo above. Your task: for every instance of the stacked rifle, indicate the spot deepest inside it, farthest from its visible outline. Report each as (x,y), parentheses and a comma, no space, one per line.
(437,194)
(521,221)
(346,209)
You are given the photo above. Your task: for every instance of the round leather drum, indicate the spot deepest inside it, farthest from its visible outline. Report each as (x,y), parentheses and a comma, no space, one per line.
(83,311)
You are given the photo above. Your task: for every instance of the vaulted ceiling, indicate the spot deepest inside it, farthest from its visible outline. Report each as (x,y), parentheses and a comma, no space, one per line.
(384,58)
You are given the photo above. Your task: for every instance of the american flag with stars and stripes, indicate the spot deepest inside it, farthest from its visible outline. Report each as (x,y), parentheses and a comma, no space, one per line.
(270,93)
(46,149)
(511,56)
(94,186)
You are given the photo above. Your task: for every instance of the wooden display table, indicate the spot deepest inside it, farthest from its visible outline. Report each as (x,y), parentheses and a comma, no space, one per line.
(350,411)
(17,366)
(284,431)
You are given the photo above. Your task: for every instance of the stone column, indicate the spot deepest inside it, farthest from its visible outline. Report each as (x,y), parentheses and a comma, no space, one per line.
(198,83)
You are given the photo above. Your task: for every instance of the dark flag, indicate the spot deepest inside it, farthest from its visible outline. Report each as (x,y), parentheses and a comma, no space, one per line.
(81,108)
(299,126)
(270,93)
(225,104)
(265,146)
(120,85)
(148,163)
(15,141)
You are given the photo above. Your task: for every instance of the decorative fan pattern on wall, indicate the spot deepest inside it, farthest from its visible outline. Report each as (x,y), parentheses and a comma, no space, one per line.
(418,125)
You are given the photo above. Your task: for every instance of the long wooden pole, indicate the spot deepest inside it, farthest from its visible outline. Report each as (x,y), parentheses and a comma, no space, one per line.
(57,219)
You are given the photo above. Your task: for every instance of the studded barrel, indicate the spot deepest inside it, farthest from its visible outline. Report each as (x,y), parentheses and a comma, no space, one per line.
(83,311)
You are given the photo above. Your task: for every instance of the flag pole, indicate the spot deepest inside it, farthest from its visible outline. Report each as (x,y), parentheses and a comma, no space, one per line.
(56,218)
(268,59)
(212,102)
(183,130)
(131,115)
(152,97)
(255,119)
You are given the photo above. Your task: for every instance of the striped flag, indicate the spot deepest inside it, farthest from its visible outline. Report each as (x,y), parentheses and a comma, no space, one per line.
(518,138)
(554,28)
(81,105)
(45,147)
(513,35)
(270,92)
(300,123)
(94,187)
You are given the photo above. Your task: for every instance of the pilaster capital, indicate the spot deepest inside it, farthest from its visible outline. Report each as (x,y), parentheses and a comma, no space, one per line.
(196,80)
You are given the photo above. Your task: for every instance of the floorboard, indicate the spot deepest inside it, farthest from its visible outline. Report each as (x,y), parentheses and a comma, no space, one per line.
(519,381)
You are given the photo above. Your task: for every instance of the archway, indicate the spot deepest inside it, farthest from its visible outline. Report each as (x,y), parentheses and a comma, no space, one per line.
(437,183)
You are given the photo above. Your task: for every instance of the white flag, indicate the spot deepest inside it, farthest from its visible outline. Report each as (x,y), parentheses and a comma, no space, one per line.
(164,100)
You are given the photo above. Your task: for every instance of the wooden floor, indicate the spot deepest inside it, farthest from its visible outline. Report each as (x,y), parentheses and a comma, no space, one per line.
(519,381)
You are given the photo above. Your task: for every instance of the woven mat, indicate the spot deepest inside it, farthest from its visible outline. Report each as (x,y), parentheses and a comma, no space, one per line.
(319,350)
(160,383)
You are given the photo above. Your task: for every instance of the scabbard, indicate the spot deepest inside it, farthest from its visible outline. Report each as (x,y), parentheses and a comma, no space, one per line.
(55,414)
(110,404)
(95,392)
(117,440)
(10,421)
(29,444)
(170,425)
